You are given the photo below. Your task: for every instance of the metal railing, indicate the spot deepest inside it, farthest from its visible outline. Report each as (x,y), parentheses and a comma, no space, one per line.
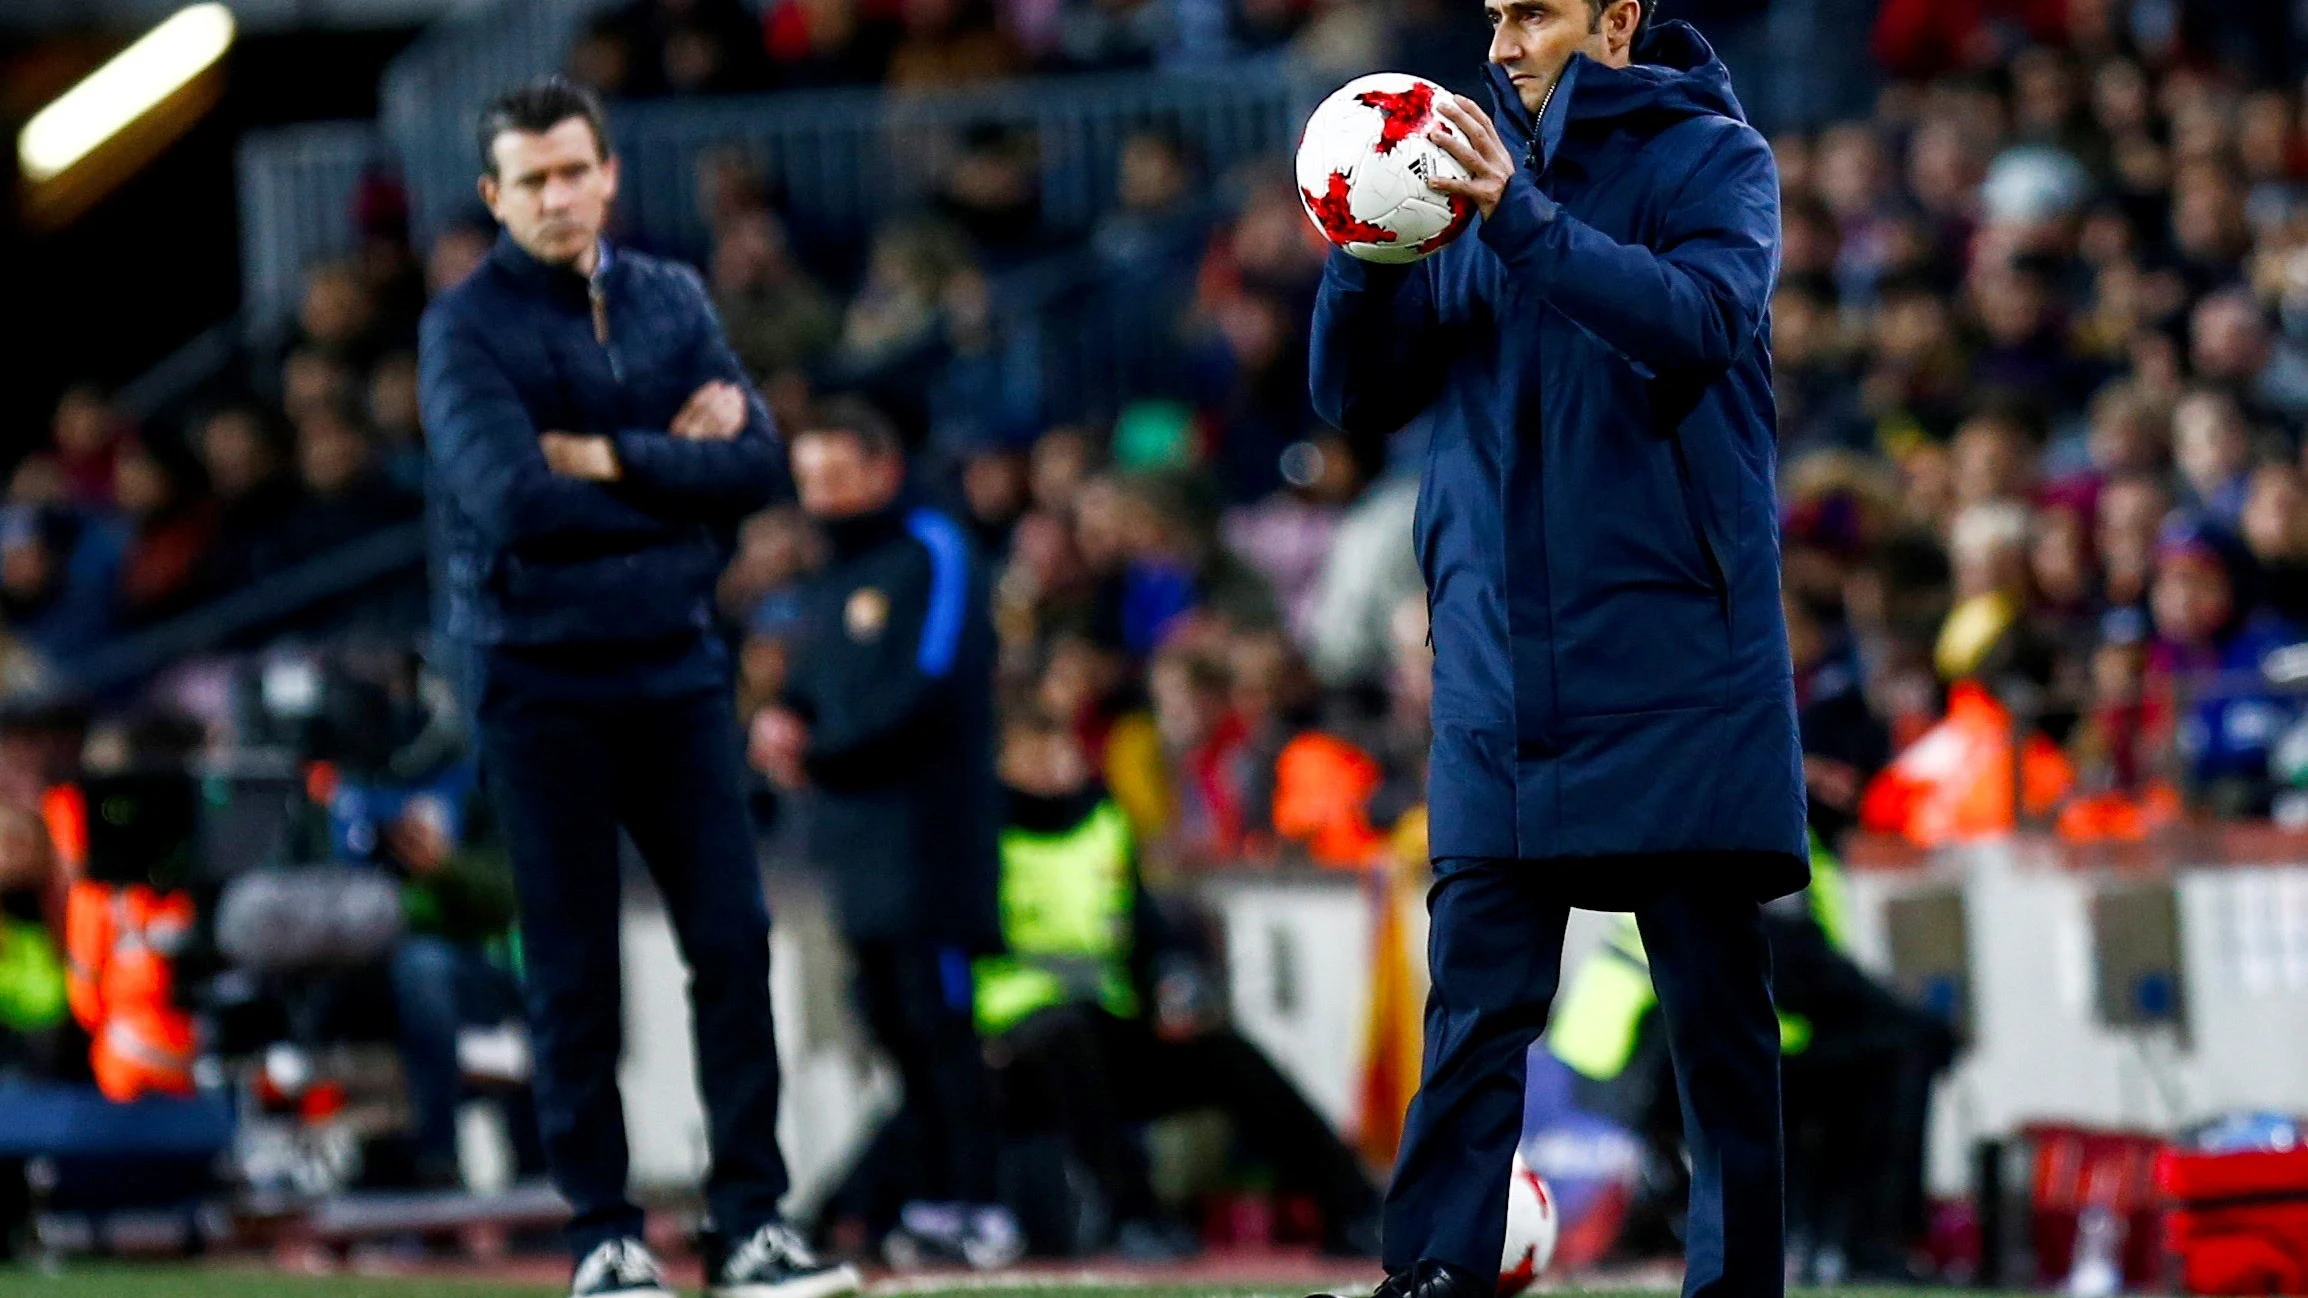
(296,186)
(397,553)
(843,159)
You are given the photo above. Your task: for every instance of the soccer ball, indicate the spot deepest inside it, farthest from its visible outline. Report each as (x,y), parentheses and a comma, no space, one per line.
(1530,1230)
(1363,165)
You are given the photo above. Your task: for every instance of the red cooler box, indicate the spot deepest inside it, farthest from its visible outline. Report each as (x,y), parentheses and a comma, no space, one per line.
(2238,1222)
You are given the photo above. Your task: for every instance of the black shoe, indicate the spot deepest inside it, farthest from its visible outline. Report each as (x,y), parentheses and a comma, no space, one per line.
(773,1262)
(1428,1279)
(619,1268)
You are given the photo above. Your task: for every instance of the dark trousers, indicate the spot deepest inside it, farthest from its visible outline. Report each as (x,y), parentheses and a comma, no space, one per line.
(566,774)
(1494,952)
(441,987)
(916,1000)
(1858,1103)
(1095,1077)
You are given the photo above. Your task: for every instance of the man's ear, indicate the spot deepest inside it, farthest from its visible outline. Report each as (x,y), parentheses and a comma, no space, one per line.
(489,190)
(1622,22)
(610,172)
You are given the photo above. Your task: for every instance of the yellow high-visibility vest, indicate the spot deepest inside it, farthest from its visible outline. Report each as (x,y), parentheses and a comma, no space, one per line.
(1599,1016)
(1068,903)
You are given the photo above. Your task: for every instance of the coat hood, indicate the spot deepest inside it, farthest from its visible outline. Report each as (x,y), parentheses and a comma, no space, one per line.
(1675,75)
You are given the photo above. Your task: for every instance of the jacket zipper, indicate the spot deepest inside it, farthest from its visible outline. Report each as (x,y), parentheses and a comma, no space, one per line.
(1539,129)
(598,295)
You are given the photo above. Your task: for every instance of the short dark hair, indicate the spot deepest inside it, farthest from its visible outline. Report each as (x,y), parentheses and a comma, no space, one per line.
(854,417)
(538,107)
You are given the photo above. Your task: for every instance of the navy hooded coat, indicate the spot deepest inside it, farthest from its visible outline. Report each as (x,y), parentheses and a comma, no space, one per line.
(1596,519)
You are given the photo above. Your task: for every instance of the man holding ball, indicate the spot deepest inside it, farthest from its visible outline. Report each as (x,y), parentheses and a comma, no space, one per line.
(1614,719)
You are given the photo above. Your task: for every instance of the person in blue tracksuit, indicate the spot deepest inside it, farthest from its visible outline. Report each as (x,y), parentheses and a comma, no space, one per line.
(594,444)
(1614,714)
(887,718)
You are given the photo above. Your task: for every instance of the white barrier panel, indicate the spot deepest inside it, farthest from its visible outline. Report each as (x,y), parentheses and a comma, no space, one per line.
(835,1090)
(1299,955)
(2044,1050)
(1299,958)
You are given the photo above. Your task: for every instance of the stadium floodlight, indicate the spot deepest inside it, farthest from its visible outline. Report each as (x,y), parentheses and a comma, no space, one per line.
(136,80)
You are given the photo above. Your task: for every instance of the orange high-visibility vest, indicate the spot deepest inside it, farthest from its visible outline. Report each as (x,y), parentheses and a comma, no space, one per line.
(1322,788)
(1955,782)
(65,811)
(121,944)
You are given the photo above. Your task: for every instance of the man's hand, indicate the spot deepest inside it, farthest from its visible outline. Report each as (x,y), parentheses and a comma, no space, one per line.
(713,413)
(777,744)
(1835,783)
(419,837)
(587,457)
(1477,146)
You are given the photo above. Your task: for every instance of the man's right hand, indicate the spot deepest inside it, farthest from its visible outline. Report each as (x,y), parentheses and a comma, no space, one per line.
(713,413)
(777,746)
(419,837)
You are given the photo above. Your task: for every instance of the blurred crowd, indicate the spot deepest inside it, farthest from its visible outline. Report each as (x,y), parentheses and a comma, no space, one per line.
(2039,349)
(112,527)
(2042,356)
(646,48)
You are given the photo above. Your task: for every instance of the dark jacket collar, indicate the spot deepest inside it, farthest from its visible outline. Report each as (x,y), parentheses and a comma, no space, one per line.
(1043,814)
(1675,75)
(517,262)
(850,537)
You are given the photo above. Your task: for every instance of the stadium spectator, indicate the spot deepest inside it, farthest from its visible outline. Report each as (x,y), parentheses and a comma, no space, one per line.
(171,526)
(2207,658)
(338,316)
(392,413)
(83,440)
(447,972)
(1819,401)
(2276,531)
(1114,34)
(887,715)
(58,573)
(992,193)
(2212,448)
(1083,1041)
(2231,344)
(948,43)
(1156,213)
(31,960)
(825,42)
(255,495)
(777,315)
(312,378)
(648,48)
(899,329)
(347,493)
(456,253)
(1286,538)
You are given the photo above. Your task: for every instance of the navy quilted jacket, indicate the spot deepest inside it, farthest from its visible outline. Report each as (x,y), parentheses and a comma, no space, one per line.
(1596,521)
(531,558)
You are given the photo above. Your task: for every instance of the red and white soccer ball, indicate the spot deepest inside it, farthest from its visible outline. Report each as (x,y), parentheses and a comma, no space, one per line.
(1363,165)
(1530,1230)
